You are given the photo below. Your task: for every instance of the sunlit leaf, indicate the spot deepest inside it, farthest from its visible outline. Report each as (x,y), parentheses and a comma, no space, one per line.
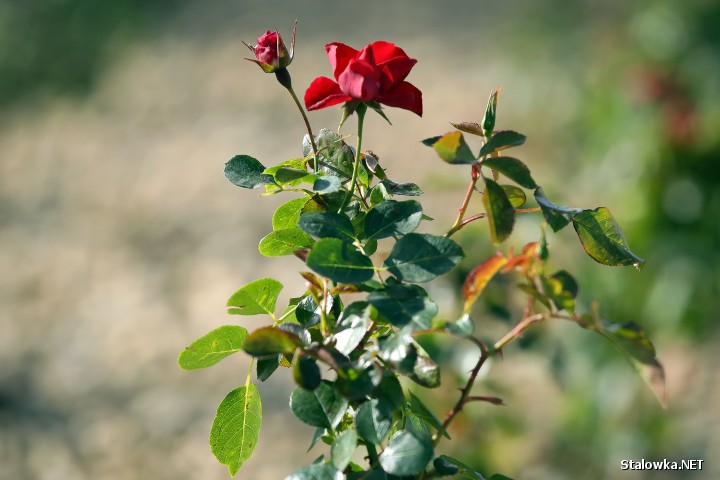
(235,430)
(209,349)
(316,472)
(407,453)
(269,341)
(478,278)
(488,123)
(351,327)
(499,210)
(446,466)
(407,189)
(342,449)
(603,239)
(256,297)
(327,184)
(426,372)
(288,214)
(452,148)
(285,242)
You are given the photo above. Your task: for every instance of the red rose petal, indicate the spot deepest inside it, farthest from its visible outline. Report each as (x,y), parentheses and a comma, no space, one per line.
(395,71)
(339,55)
(385,51)
(323,93)
(405,95)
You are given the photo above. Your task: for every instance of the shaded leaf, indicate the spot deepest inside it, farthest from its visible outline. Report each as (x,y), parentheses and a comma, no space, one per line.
(391,218)
(555,215)
(488,123)
(342,449)
(246,172)
(209,349)
(500,212)
(472,128)
(403,304)
(452,148)
(235,430)
(269,341)
(288,214)
(420,257)
(407,453)
(285,242)
(267,366)
(327,225)
(373,420)
(306,372)
(512,168)
(421,410)
(502,140)
(406,189)
(450,466)
(463,327)
(256,297)
(340,261)
(356,382)
(603,239)
(322,407)
(479,277)
(316,472)
(327,184)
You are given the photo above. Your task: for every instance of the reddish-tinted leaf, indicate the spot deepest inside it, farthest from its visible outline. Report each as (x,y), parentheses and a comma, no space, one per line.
(479,277)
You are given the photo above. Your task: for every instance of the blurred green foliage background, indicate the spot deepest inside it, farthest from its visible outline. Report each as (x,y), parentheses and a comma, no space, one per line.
(120,241)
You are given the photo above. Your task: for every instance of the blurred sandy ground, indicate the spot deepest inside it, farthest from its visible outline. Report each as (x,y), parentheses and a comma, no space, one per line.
(120,239)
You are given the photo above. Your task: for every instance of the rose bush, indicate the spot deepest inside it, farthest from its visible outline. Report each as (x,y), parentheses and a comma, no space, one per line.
(374,74)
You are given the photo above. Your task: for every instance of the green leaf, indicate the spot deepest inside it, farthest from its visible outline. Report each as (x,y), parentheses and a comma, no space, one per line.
(488,123)
(316,472)
(285,242)
(502,140)
(406,189)
(373,420)
(327,225)
(288,214)
(390,391)
(516,195)
(426,372)
(322,407)
(374,474)
(407,453)
(209,349)
(479,277)
(469,127)
(285,175)
(306,372)
(391,218)
(399,351)
(327,184)
(499,476)
(452,148)
(236,427)
(603,239)
(420,257)
(336,157)
(351,327)
(270,341)
(340,261)
(256,297)
(342,449)
(404,305)
(450,466)
(512,168)
(555,215)
(246,172)
(421,410)
(267,366)
(356,382)
(500,212)
(379,193)
(463,327)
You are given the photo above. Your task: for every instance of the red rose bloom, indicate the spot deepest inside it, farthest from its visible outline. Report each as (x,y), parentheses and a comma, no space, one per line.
(271,54)
(375,74)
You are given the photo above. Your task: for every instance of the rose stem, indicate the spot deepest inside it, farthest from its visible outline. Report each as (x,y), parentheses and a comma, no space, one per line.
(288,85)
(361,109)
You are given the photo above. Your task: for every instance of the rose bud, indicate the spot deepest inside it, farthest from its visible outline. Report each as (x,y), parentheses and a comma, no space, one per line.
(271,54)
(375,75)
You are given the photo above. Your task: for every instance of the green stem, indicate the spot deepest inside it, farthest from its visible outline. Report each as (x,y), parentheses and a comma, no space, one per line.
(307,126)
(361,109)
